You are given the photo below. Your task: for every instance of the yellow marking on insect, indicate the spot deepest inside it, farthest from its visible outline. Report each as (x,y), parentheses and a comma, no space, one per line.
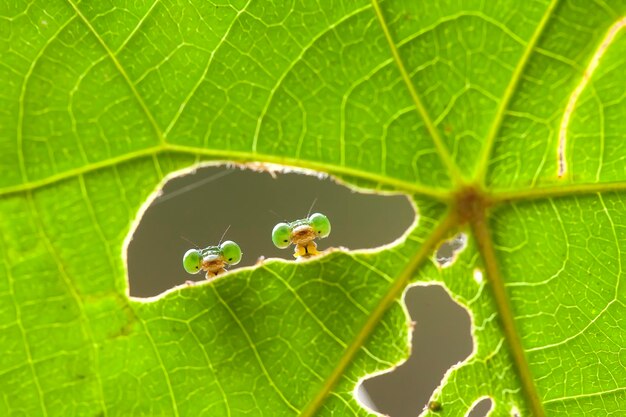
(571,104)
(305,251)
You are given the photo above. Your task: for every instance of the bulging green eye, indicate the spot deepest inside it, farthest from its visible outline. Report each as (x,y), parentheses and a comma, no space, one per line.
(320,224)
(192,261)
(281,235)
(231,252)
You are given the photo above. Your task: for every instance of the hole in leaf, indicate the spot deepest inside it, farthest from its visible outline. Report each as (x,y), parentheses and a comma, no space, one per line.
(449,250)
(478,276)
(481,408)
(441,338)
(200,205)
(515,412)
(363,397)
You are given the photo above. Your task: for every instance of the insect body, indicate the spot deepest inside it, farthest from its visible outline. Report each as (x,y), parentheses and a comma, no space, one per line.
(302,233)
(212,259)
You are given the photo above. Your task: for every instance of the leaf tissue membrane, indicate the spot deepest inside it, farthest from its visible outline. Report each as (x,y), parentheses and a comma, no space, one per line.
(465,106)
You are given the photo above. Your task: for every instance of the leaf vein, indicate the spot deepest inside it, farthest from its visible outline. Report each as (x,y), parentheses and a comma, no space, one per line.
(288,70)
(395,290)
(509,92)
(20,325)
(220,154)
(254,350)
(122,72)
(193,91)
(72,291)
(419,106)
(20,111)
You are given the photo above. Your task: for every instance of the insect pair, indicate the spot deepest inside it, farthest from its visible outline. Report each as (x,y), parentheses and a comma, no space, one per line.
(302,233)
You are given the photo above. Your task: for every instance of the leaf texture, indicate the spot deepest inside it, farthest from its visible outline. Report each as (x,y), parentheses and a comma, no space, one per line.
(501,120)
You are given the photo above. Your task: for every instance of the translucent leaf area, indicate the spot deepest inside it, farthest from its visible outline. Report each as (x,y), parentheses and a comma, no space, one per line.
(502,121)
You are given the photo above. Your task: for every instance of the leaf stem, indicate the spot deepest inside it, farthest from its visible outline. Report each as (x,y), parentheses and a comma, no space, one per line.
(486,248)
(396,289)
(430,126)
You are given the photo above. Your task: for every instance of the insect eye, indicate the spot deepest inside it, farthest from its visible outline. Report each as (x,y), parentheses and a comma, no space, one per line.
(320,224)
(192,261)
(281,235)
(231,252)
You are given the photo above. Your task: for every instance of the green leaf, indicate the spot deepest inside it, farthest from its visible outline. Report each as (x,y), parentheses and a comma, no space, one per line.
(502,120)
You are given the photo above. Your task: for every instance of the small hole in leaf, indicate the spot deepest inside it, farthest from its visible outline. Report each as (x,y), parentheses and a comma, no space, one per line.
(478,276)
(480,408)
(515,412)
(449,250)
(198,206)
(441,338)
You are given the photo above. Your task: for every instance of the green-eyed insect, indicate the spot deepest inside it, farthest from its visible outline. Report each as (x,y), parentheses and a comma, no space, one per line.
(302,233)
(212,259)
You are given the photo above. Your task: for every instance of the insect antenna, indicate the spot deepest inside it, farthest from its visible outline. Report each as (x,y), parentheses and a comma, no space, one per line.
(193,243)
(223,234)
(278,216)
(311,208)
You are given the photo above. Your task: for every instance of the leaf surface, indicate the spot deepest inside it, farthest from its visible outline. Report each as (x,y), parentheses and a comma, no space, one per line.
(500,120)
